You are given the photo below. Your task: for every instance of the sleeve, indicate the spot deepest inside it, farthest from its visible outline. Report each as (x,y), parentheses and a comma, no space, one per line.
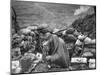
(54,57)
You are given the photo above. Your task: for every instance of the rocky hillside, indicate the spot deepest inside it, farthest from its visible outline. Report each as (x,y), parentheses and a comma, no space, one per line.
(86,25)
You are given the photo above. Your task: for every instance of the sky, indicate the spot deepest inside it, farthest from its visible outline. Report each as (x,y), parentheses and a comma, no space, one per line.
(53,14)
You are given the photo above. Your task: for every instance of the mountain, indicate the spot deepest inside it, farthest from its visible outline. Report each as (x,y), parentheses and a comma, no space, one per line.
(55,15)
(86,25)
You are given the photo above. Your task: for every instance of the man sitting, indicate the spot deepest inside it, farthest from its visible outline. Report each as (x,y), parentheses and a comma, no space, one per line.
(57,54)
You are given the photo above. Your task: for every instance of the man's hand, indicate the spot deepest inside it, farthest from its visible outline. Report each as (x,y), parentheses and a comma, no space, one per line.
(48,57)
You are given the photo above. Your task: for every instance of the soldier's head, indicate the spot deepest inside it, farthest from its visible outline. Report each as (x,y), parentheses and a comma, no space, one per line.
(45,36)
(44,32)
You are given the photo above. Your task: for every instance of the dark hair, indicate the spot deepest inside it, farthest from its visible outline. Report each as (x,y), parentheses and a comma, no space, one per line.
(43,31)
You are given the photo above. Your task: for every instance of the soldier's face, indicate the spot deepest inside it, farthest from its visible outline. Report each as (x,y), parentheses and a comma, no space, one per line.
(44,36)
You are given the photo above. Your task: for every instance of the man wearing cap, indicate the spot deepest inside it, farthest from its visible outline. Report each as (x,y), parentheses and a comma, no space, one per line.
(57,53)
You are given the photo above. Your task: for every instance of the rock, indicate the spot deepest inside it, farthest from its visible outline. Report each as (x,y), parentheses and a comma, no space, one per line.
(30,55)
(32,27)
(87,54)
(15,36)
(92,63)
(90,50)
(79,66)
(25,31)
(16,67)
(16,53)
(26,62)
(81,37)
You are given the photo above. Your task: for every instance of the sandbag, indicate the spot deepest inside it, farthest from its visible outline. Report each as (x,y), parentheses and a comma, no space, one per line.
(87,54)
(25,31)
(88,40)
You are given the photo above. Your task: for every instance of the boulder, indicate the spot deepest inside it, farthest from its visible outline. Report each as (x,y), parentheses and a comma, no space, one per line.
(25,31)
(92,63)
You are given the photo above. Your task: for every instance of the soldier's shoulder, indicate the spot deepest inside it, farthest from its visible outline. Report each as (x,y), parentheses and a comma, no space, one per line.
(61,40)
